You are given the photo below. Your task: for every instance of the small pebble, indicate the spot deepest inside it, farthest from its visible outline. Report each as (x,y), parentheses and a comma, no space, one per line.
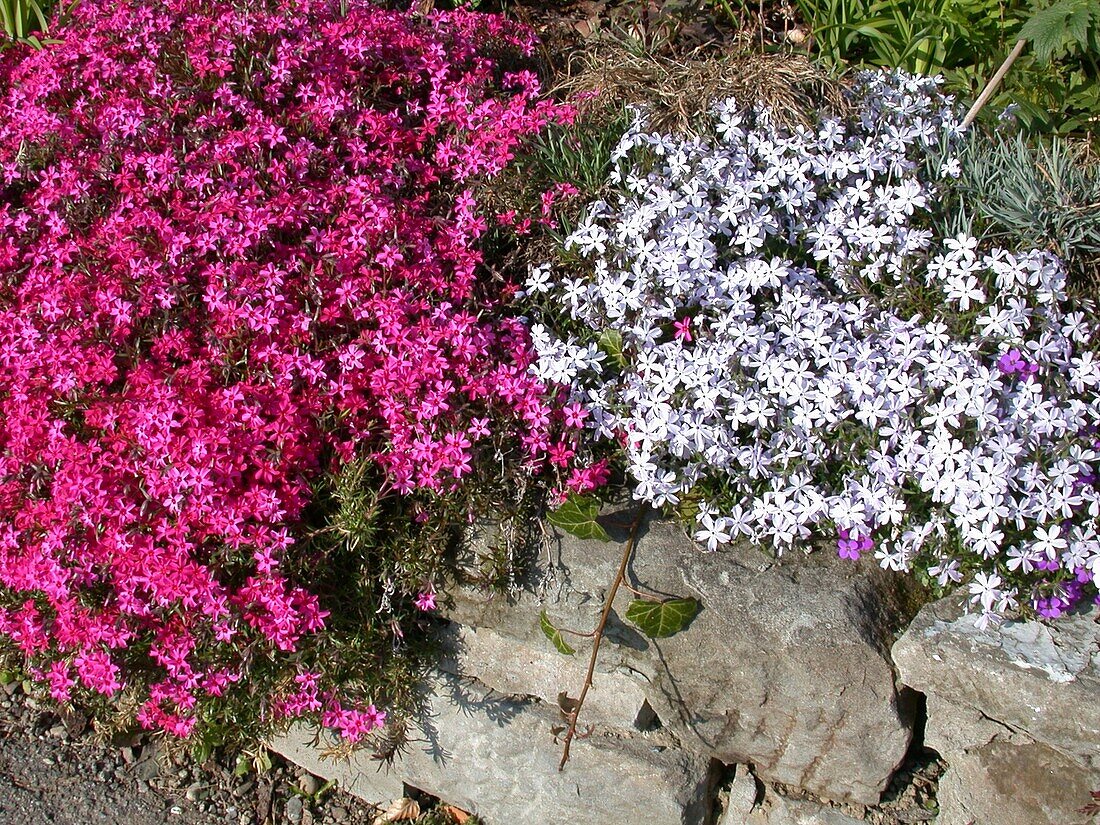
(310,784)
(196,791)
(294,808)
(175,810)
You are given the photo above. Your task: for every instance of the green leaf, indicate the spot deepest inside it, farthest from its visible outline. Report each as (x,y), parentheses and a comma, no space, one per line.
(578,516)
(203,751)
(243,766)
(1061,27)
(659,620)
(554,635)
(611,342)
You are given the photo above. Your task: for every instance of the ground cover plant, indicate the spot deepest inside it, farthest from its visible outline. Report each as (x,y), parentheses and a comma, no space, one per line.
(255,376)
(245,353)
(762,322)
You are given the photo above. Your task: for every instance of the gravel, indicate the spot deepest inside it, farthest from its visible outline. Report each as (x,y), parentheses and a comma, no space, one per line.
(54,771)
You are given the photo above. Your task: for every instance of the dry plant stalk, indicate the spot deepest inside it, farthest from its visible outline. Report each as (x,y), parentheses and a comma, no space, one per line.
(994,81)
(678,92)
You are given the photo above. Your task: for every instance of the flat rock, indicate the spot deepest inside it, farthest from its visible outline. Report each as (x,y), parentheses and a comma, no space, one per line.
(742,797)
(1015,711)
(1008,782)
(785,667)
(494,658)
(1040,679)
(495,755)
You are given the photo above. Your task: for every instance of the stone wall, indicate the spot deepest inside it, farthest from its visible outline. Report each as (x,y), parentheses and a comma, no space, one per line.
(1015,711)
(783,687)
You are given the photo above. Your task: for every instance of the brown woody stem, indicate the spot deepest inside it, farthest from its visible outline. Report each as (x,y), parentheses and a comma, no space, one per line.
(628,548)
(641,594)
(994,81)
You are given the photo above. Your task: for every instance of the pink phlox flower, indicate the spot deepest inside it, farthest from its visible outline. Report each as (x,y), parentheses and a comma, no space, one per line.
(426,600)
(683,329)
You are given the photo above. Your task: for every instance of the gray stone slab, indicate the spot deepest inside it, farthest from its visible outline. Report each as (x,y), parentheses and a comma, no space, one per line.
(778,810)
(1039,678)
(742,797)
(309,748)
(1014,709)
(1012,782)
(786,666)
(617,698)
(494,755)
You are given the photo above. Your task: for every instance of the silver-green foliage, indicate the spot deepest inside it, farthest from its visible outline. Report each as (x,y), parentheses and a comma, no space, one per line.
(1034,192)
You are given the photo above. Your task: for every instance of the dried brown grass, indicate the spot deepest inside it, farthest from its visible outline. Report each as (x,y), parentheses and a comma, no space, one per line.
(678,91)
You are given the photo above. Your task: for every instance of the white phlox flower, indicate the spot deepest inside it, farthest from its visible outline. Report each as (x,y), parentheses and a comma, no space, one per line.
(770,363)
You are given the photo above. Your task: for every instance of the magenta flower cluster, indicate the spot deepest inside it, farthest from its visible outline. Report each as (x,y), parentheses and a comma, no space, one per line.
(851,543)
(238,242)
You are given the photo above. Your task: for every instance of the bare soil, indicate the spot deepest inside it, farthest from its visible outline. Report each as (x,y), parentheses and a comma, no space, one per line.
(54,771)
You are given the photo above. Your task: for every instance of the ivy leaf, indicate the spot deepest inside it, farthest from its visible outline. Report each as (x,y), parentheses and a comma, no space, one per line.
(661,619)
(578,516)
(554,635)
(611,342)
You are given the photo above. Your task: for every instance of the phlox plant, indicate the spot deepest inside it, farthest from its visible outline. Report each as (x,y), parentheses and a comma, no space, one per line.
(239,254)
(762,325)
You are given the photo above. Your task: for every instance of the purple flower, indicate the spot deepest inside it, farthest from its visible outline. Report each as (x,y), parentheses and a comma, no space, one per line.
(1014,363)
(1084,479)
(851,544)
(1051,608)
(1010,362)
